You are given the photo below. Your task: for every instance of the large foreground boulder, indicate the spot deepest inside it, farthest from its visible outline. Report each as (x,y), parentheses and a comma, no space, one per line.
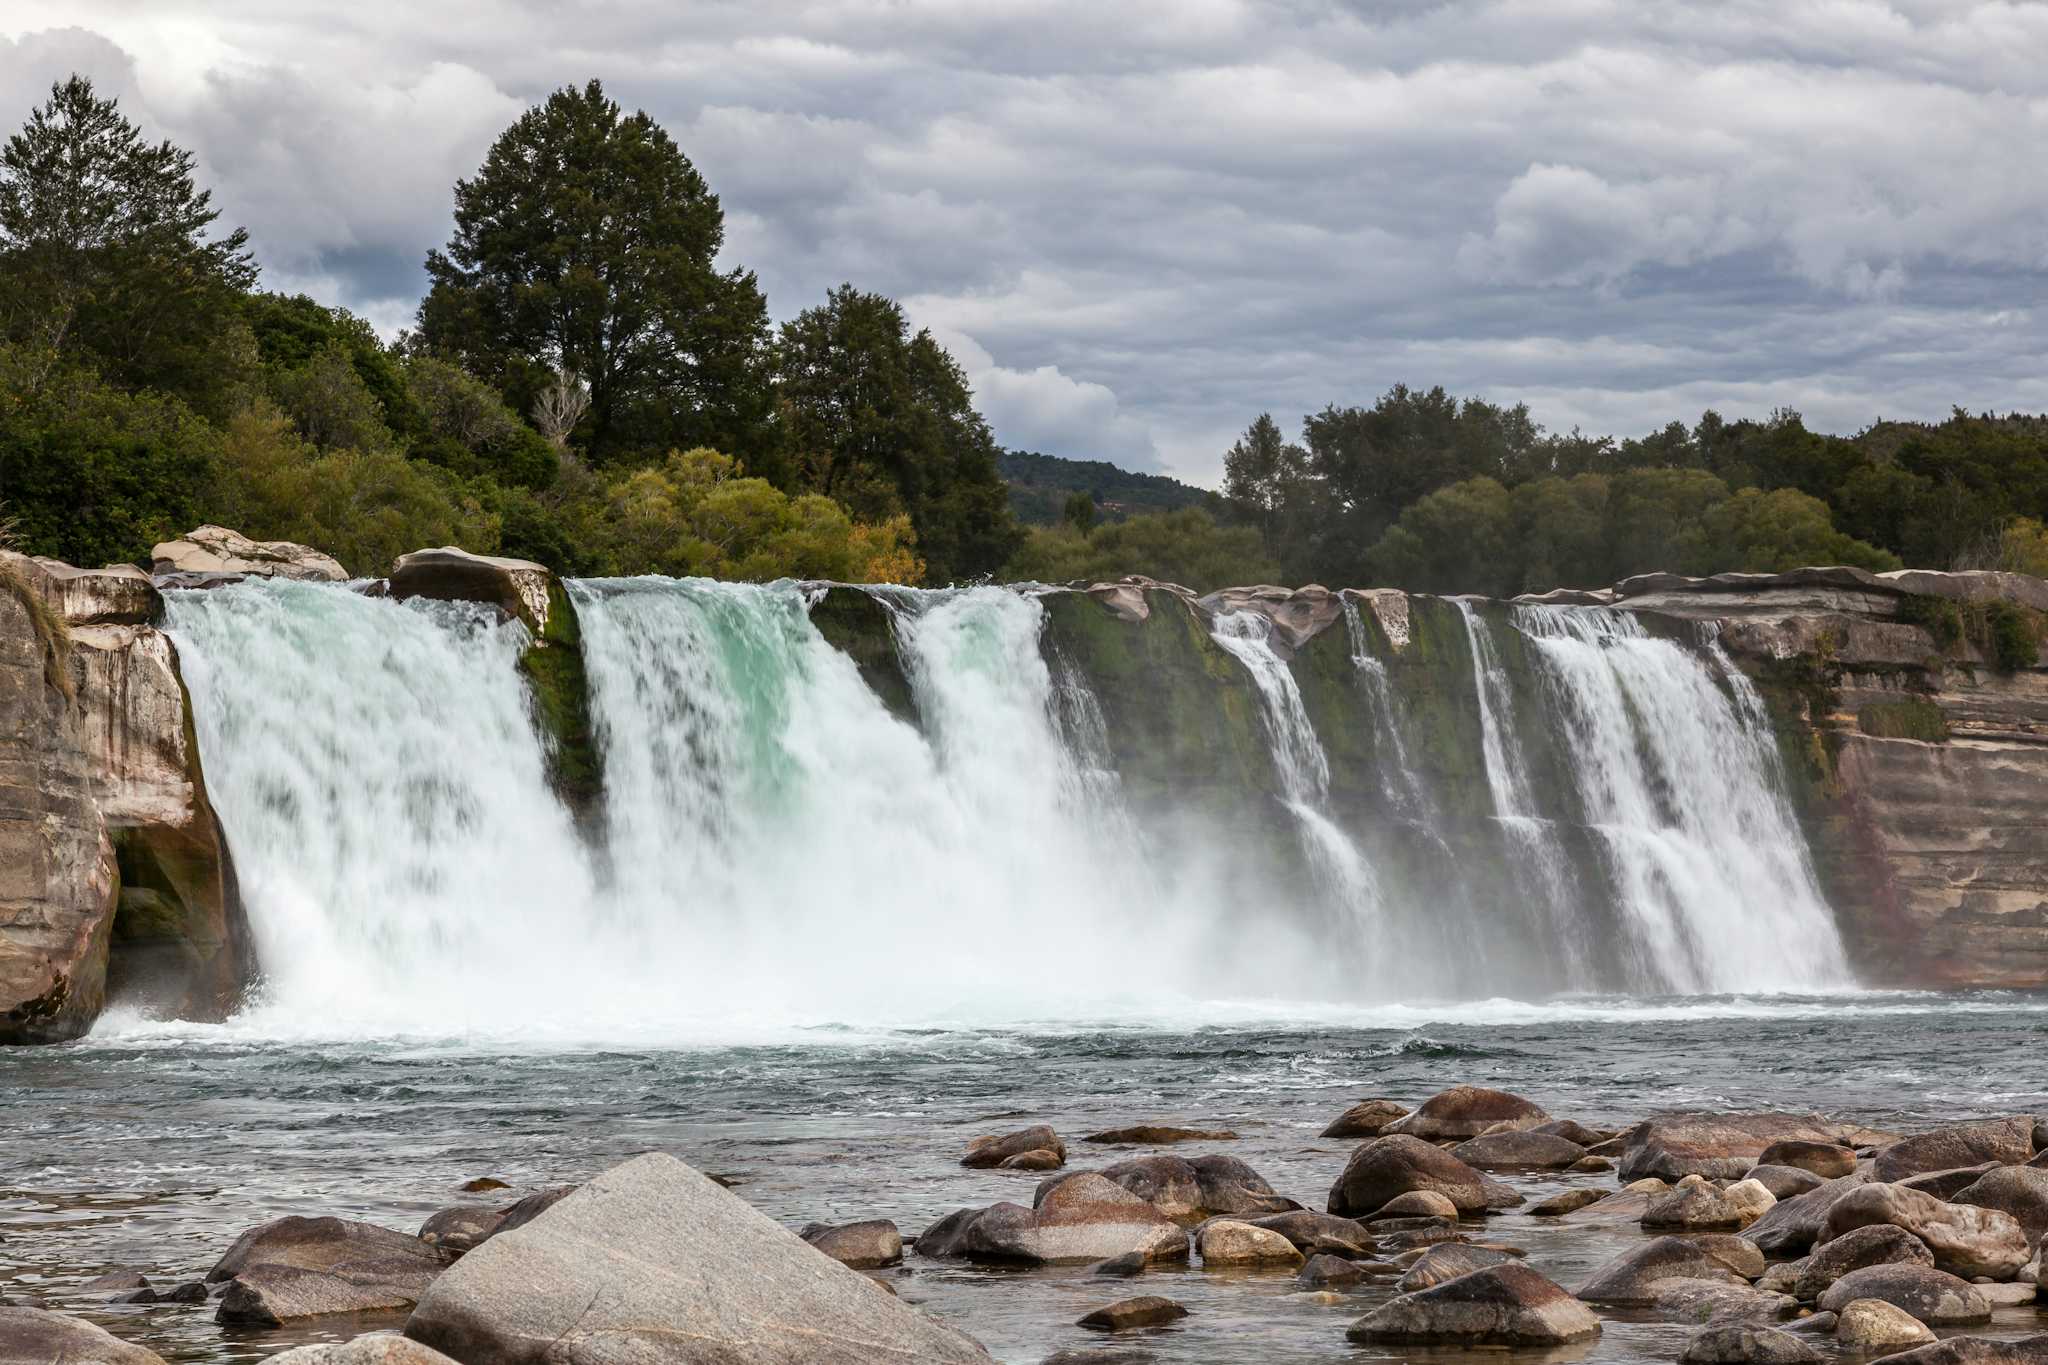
(1502,1305)
(1718,1146)
(217,550)
(651,1262)
(1966,1240)
(517,587)
(1933,1296)
(2009,1142)
(295,1267)
(1977,1351)
(1746,1343)
(1633,1279)
(32,1336)
(1190,1189)
(1466,1111)
(1079,1219)
(1395,1164)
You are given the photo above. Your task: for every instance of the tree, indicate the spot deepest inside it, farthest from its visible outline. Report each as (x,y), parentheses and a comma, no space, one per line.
(105,254)
(1561,533)
(1758,532)
(884,422)
(587,243)
(1185,547)
(1080,512)
(1460,538)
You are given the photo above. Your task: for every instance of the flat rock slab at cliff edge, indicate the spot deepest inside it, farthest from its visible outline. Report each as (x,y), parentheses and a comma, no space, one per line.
(517,587)
(216,550)
(651,1262)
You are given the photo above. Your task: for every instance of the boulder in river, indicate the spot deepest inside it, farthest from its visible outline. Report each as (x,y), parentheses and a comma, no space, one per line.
(1825,1159)
(1466,1111)
(1192,1189)
(1950,1183)
(1227,1242)
(1746,1343)
(1573,1131)
(1632,1278)
(651,1255)
(1147,1310)
(1366,1119)
(2020,1191)
(1874,1327)
(1447,1262)
(1791,1226)
(1977,1351)
(1502,1305)
(1966,1240)
(372,1348)
(1395,1164)
(461,1228)
(1330,1272)
(35,1336)
(1316,1234)
(2009,1142)
(986,1152)
(1718,1146)
(1416,1204)
(1519,1150)
(1935,1297)
(1878,1244)
(1079,1219)
(1566,1201)
(1159,1135)
(868,1245)
(517,587)
(305,1267)
(1698,1205)
(1785,1181)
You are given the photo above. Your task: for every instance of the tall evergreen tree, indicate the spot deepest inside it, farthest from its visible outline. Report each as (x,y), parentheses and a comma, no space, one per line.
(105,253)
(586,244)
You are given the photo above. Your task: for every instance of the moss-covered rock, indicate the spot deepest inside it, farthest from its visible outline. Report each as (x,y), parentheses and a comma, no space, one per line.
(560,687)
(861,626)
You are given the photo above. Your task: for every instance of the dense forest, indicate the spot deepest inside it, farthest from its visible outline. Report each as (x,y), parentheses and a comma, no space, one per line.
(585,386)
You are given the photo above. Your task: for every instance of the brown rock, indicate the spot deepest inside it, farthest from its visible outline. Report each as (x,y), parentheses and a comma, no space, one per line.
(1152,1134)
(1465,1111)
(1745,1343)
(1398,1163)
(1147,1310)
(1037,1159)
(1417,1204)
(1933,1296)
(1879,1244)
(1825,1159)
(1518,1150)
(517,587)
(1739,1254)
(1793,1225)
(1227,1242)
(863,1246)
(1083,1218)
(1447,1262)
(483,1184)
(1977,1351)
(1948,1184)
(1875,1327)
(2019,1191)
(985,1152)
(1193,1189)
(1320,1233)
(1698,1205)
(1330,1272)
(1784,1182)
(375,1348)
(305,1267)
(1572,1131)
(2008,1142)
(1632,1279)
(1718,1146)
(1566,1201)
(1502,1305)
(33,1336)
(1966,1240)
(461,1228)
(1366,1119)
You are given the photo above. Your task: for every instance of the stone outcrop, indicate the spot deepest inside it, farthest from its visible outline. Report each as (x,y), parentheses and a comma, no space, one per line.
(1395,1164)
(1190,1189)
(33,1336)
(650,1254)
(217,550)
(1966,1240)
(296,1267)
(1078,1219)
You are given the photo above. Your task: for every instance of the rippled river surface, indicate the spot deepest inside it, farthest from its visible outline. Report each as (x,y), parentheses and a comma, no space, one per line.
(151,1147)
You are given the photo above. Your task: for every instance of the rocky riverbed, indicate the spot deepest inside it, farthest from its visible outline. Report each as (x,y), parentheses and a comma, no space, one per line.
(149,1151)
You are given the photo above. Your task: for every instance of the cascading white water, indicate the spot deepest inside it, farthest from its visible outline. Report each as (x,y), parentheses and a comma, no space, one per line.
(1303,767)
(1711,873)
(1532,839)
(1403,785)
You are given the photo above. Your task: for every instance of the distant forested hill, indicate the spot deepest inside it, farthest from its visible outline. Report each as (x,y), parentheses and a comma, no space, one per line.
(1041,484)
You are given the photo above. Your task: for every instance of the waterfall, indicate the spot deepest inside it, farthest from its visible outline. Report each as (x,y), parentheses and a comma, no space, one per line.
(1534,846)
(1341,870)
(1404,787)
(1711,877)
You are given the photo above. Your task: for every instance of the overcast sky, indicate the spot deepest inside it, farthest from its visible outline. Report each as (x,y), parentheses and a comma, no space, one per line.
(1140,224)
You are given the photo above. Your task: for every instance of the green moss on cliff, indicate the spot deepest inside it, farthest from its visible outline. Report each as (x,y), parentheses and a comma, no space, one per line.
(1911,718)
(553,665)
(862,628)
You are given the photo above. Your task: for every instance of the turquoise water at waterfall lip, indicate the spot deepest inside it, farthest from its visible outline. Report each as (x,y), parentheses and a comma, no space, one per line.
(152,1145)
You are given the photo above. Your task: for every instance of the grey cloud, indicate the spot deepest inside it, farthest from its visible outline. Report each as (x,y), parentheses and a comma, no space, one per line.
(1141,224)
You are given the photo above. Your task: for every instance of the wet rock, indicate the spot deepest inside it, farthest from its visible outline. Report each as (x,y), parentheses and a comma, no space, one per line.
(304,1267)
(1966,1240)
(1879,1244)
(1631,1279)
(1572,1131)
(1949,1184)
(1785,1182)
(1792,1226)
(1566,1201)
(1502,1305)
(651,1254)
(483,1184)
(1718,1146)
(375,1348)
(1417,1204)
(1088,1355)
(1190,1190)
(864,1246)
(1742,1343)
(192,1291)
(1082,1218)
(1782,1278)
(1813,1324)
(1740,1255)
(1394,1165)
(1518,1150)
(2009,1142)
(114,1282)
(2015,1294)
(1683,1300)
(1933,1296)
(1448,1262)
(461,1228)
(34,1336)
(986,1152)
(1420,1234)
(1977,1351)
(947,1237)
(1873,1326)
(1152,1134)
(517,587)
(1320,1233)
(1227,1242)
(1366,1119)
(1827,1160)
(2018,1191)
(1591,1164)
(1330,1272)
(1124,1266)
(1698,1205)
(1465,1111)
(1147,1310)
(1037,1159)
(519,1214)
(217,550)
